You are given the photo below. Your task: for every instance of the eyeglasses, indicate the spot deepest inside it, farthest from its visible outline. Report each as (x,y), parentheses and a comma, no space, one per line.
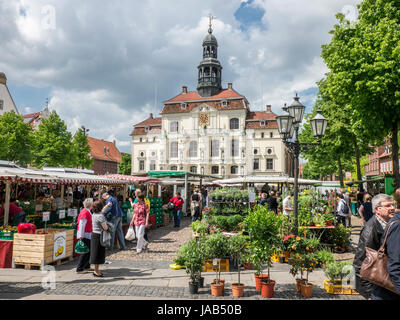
(387,206)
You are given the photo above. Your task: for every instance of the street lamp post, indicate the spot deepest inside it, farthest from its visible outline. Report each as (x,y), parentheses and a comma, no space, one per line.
(84,130)
(288,125)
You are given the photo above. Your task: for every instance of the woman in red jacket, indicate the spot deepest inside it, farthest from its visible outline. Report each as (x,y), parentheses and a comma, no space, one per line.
(178,202)
(84,233)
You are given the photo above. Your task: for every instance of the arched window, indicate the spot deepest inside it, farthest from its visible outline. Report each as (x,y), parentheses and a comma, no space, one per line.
(174,168)
(193,149)
(234,170)
(173,151)
(234,123)
(193,169)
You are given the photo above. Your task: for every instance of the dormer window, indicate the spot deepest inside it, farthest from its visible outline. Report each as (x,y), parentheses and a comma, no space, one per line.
(262,123)
(224,103)
(184,106)
(147,129)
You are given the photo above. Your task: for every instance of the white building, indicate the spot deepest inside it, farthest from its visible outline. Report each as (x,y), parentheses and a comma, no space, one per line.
(6,101)
(209,131)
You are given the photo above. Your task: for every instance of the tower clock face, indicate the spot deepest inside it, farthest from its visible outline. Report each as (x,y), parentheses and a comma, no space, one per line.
(204,119)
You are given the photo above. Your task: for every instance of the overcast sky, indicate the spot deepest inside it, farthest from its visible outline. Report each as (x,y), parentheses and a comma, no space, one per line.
(108,64)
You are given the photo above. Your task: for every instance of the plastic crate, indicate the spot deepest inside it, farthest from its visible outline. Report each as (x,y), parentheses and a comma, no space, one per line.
(209,267)
(7,235)
(332,288)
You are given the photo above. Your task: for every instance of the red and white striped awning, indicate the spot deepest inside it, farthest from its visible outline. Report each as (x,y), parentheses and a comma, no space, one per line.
(133,179)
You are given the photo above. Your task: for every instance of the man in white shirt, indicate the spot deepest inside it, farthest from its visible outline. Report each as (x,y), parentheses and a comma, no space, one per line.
(287,204)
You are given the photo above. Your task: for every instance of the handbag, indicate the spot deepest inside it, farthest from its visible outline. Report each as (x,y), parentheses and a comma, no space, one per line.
(374,266)
(81,247)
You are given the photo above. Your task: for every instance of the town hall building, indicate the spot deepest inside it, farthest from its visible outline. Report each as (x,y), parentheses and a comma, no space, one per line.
(210,131)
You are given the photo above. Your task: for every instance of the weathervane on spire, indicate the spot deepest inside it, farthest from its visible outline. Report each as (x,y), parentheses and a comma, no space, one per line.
(211,17)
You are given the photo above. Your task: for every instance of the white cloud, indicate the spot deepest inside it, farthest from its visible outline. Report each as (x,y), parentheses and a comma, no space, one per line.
(104,59)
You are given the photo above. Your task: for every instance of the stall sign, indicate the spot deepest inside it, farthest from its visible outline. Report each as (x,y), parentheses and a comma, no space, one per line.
(60,242)
(61,214)
(252,197)
(72,212)
(46,216)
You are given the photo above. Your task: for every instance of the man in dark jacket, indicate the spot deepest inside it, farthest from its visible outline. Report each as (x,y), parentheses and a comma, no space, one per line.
(370,237)
(272,202)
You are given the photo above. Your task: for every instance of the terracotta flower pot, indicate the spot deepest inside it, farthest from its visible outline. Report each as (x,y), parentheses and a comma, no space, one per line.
(306,290)
(267,288)
(217,289)
(258,280)
(237,289)
(221,281)
(299,282)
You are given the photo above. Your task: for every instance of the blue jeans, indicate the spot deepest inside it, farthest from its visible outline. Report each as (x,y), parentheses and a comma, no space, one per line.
(117,222)
(177,217)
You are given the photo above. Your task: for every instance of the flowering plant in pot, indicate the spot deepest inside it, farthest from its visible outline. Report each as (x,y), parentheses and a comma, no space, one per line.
(263,226)
(329,218)
(237,247)
(308,263)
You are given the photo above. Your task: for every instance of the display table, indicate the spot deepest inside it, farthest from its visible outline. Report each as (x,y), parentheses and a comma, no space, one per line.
(6,250)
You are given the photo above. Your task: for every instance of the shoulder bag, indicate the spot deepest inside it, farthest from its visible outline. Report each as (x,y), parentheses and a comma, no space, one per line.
(374,266)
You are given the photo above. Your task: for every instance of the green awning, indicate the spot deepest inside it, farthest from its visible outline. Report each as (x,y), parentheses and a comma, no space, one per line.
(159,174)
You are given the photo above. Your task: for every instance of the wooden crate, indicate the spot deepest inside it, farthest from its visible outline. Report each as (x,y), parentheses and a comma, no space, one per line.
(208,266)
(37,249)
(338,288)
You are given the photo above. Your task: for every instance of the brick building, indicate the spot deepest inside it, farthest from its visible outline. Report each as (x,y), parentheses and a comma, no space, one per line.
(106,156)
(380,161)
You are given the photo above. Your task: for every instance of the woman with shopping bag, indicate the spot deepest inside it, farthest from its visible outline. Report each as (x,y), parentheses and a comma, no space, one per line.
(84,233)
(141,221)
(97,251)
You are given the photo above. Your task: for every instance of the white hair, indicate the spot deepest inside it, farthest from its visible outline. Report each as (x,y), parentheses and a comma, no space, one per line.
(88,202)
(379,198)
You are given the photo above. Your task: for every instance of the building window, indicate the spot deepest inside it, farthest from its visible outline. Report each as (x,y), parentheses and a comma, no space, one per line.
(173,151)
(193,149)
(234,124)
(104,164)
(183,105)
(270,164)
(234,170)
(255,151)
(174,168)
(224,103)
(256,164)
(271,134)
(152,165)
(262,135)
(269,150)
(173,126)
(140,139)
(141,165)
(235,148)
(262,123)
(193,169)
(1,104)
(214,148)
(214,170)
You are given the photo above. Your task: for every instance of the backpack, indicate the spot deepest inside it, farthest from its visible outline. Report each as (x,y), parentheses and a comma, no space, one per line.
(195,197)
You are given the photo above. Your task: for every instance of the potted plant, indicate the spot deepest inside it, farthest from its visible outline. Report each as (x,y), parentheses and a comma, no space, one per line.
(329,218)
(193,267)
(199,228)
(308,264)
(324,257)
(263,227)
(237,246)
(215,248)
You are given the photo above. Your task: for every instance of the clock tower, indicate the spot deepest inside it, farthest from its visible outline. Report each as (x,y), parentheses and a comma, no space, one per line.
(209,69)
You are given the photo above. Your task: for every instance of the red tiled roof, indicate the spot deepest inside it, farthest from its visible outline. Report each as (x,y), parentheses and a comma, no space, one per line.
(141,131)
(97,150)
(232,104)
(258,115)
(32,115)
(149,122)
(194,95)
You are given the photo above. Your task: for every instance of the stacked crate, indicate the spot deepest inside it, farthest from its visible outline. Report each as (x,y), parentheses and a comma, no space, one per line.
(156,209)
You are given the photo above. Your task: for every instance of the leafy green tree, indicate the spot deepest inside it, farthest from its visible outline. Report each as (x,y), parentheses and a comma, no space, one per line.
(15,139)
(364,61)
(81,150)
(52,143)
(125,164)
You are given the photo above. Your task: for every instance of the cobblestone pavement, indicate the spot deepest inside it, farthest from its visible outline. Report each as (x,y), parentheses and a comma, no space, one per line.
(148,276)
(164,243)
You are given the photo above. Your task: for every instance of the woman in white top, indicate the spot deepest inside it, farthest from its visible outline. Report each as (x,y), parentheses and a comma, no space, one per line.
(84,232)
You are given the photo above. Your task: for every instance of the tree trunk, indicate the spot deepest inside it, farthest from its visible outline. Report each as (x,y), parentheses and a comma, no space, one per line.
(395,154)
(357,152)
(340,173)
